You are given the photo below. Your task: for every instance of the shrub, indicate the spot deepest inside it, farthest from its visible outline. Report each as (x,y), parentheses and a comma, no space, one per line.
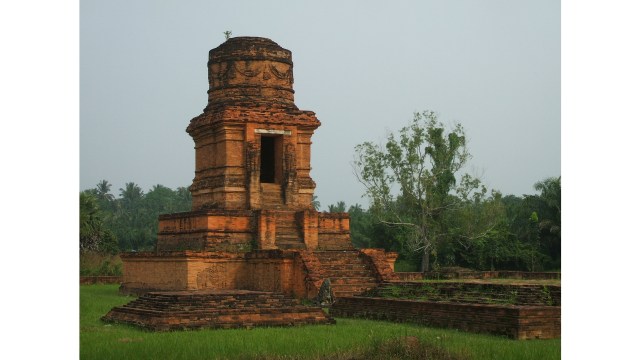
(99,264)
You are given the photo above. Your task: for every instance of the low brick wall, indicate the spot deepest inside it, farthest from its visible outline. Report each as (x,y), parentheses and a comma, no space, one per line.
(487,293)
(88,280)
(410,276)
(524,275)
(518,322)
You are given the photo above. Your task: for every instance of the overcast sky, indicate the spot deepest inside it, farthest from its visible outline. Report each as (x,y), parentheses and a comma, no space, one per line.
(364,67)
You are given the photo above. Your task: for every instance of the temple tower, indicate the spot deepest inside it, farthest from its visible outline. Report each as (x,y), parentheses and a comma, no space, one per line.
(252,225)
(252,143)
(252,189)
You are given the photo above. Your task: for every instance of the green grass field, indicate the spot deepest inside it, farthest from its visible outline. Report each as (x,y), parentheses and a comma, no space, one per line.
(348,339)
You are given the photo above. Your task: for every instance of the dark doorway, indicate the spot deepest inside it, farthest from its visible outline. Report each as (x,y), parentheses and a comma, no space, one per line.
(267,159)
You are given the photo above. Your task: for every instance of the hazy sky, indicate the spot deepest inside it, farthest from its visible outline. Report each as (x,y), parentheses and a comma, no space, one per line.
(364,67)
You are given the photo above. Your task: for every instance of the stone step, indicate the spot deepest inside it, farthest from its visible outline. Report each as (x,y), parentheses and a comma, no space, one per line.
(291,245)
(364,272)
(288,235)
(345,267)
(353,280)
(349,273)
(272,199)
(350,290)
(337,253)
(341,259)
(342,286)
(287,226)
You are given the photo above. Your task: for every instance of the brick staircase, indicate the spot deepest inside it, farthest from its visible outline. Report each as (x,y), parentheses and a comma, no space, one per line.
(348,272)
(272,196)
(288,232)
(179,310)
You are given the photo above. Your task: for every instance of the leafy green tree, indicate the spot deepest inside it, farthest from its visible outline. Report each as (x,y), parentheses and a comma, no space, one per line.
(550,193)
(103,191)
(480,229)
(131,195)
(93,234)
(549,216)
(410,179)
(339,207)
(183,199)
(315,203)
(132,218)
(131,223)
(360,225)
(524,228)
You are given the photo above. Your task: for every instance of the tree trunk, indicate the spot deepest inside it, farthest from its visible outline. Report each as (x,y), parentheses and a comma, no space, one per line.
(424,264)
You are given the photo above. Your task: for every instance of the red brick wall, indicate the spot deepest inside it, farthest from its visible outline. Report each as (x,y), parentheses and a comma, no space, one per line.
(212,230)
(146,271)
(274,270)
(333,231)
(528,322)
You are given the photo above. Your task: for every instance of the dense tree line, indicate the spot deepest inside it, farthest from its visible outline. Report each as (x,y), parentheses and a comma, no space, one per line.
(524,233)
(424,207)
(132,218)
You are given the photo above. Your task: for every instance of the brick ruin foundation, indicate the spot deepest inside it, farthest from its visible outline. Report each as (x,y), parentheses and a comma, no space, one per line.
(252,226)
(516,311)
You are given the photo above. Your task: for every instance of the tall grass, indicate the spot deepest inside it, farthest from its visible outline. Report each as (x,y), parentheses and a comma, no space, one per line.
(349,338)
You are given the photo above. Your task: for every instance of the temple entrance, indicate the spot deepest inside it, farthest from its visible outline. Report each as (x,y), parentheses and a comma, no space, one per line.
(270,159)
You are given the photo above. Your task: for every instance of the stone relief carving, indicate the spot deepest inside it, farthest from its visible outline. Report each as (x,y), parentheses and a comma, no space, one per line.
(285,75)
(212,277)
(230,69)
(247,71)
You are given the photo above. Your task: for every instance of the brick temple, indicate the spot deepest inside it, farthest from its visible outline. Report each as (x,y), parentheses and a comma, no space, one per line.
(252,227)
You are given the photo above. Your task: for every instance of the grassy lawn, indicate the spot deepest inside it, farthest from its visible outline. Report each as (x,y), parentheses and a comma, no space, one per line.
(348,339)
